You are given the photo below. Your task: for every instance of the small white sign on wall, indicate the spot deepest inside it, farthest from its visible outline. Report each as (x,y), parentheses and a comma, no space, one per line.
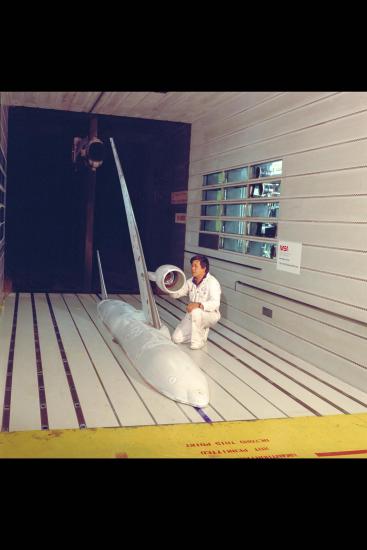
(289,256)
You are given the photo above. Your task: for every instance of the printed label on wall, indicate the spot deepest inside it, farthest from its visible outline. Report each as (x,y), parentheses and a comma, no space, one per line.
(179,197)
(180,217)
(289,256)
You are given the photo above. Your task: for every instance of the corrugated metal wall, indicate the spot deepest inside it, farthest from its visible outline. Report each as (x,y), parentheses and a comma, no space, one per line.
(320,314)
(3,153)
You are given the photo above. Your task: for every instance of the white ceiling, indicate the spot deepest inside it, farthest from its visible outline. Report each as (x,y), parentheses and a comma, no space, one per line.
(172,106)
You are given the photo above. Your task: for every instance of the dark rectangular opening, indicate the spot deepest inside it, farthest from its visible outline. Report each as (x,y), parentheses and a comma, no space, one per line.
(209,241)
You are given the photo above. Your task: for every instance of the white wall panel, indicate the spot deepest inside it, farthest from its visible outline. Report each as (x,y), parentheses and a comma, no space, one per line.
(193,209)
(320,314)
(340,294)
(335,132)
(330,158)
(272,108)
(342,368)
(343,182)
(334,235)
(195,182)
(344,292)
(306,117)
(240,105)
(192,225)
(191,238)
(341,262)
(337,341)
(347,325)
(326,209)
(204,102)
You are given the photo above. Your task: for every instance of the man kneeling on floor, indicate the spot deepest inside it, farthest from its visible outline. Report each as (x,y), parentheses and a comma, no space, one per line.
(203,308)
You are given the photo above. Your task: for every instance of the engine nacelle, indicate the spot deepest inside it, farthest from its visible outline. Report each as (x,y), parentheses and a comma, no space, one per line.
(91,151)
(168,278)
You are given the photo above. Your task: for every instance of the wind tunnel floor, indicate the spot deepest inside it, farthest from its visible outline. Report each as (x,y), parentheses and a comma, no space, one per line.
(60,369)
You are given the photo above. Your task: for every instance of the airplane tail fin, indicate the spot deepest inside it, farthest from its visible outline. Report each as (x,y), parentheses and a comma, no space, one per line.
(103,286)
(147,299)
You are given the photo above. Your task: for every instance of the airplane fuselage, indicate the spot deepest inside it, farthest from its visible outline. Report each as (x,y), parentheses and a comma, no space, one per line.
(160,362)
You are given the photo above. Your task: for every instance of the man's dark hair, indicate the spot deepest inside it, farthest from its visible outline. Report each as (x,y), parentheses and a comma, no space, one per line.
(204,262)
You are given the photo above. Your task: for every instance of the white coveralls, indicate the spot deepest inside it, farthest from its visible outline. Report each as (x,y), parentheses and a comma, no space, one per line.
(194,327)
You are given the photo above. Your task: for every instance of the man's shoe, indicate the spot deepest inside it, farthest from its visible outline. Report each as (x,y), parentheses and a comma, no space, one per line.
(197,346)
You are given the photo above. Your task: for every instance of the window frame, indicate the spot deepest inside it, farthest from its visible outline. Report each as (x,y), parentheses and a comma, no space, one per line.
(246,219)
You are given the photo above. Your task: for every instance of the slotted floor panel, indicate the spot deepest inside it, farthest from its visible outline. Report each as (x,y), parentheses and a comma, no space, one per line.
(60,368)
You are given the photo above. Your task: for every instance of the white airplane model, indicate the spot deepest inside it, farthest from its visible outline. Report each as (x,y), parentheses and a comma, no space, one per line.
(141,334)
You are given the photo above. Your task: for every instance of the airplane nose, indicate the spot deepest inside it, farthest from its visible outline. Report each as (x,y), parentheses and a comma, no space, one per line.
(199,398)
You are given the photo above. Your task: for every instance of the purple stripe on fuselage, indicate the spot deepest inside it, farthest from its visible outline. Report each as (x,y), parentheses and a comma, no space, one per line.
(203,415)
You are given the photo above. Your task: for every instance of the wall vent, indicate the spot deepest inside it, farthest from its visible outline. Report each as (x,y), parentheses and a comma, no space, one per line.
(268,312)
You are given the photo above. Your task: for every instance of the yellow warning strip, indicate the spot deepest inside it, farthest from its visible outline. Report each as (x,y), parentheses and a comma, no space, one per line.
(337,436)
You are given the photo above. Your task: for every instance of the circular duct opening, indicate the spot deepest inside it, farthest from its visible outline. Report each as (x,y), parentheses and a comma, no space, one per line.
(173,281)
(96,151)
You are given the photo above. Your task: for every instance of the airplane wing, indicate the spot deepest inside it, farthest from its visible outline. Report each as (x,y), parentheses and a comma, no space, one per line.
(147,299)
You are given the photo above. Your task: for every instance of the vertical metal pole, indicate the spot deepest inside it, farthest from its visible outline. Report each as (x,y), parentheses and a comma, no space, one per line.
(89,216)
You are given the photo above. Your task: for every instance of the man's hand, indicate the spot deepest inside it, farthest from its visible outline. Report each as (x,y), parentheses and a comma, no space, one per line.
(191,306)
